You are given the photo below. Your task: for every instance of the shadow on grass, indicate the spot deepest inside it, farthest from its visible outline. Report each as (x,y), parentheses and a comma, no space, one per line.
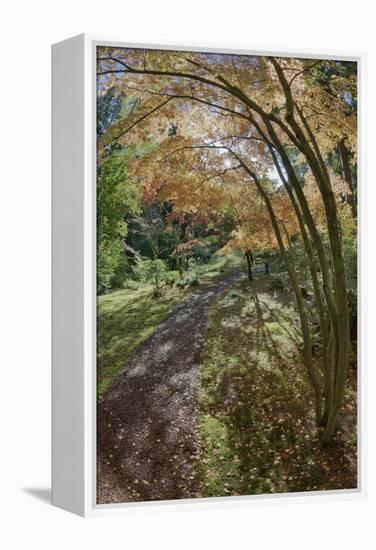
(257,423)
(265,341)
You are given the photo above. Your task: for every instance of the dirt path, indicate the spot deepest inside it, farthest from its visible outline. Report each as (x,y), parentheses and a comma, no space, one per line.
(146,423)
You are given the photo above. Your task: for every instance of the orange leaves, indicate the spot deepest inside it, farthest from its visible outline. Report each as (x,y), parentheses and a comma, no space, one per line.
(193,168)
(261,147)
(186,247)
(254,229)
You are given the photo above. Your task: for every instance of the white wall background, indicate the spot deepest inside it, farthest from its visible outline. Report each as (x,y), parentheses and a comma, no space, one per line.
(27,30)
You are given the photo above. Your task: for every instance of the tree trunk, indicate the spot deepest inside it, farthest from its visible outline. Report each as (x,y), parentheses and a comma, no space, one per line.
(319,170)
(328,358)
(304,323)
(347,176)
(248,257)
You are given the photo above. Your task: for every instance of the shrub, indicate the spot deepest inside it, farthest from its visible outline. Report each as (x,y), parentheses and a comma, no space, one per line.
(109,254)
(151,271)
(190,278)
(172,277)
(277,282)
(131,284)
(202,253)
(181,283)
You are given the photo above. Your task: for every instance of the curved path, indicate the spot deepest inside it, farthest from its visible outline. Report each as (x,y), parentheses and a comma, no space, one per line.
(147,421)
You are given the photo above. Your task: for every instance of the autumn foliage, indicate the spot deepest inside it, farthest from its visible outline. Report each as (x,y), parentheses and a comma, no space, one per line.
(267,143)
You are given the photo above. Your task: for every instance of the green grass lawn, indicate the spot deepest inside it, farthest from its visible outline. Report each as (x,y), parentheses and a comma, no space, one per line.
(218,265)
(257,429)
(125,318)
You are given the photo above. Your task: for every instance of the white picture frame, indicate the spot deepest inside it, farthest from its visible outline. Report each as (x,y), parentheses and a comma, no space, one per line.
(74,281)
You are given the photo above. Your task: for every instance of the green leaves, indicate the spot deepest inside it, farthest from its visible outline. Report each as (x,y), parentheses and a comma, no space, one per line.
(154,271)
(116,198)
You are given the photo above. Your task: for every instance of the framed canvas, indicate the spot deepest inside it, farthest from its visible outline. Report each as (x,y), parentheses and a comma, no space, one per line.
(207,283)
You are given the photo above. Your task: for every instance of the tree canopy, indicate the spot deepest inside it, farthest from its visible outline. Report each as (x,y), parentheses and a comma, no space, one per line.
(265,146)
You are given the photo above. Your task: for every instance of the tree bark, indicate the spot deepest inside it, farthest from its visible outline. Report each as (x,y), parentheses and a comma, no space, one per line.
(248,257)
(304,323)
(330,357)
(319,170)
(347,176)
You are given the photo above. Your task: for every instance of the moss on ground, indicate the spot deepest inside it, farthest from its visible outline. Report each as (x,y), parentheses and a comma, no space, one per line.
(125,319)
(256,427)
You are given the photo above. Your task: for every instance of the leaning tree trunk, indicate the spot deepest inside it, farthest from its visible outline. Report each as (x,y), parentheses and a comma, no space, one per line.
(304,323)
(305,217)
(328,356)
(320,172)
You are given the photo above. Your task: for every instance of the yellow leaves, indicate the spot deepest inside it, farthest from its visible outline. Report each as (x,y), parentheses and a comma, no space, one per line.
(328,118)
(193,168)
